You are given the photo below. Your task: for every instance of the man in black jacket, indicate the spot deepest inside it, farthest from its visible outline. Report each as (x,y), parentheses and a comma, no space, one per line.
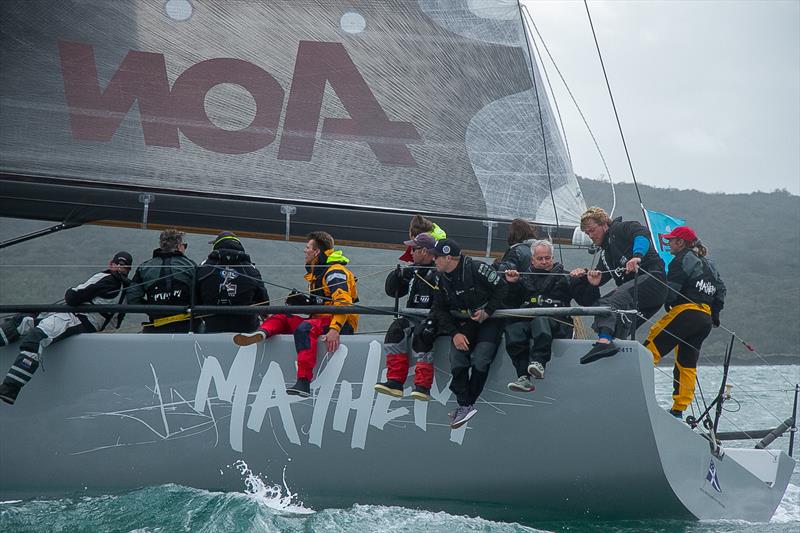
(624,247)
(228,277)
(474,290)
(166,279)
(103,288)
(529,340)
(419,282)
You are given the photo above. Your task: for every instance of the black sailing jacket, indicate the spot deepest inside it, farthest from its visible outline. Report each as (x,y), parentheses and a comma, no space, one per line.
(471,286)
(617,249)
(418,281)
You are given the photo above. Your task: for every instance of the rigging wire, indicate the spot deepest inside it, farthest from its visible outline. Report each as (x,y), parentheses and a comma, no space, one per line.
(578,108)
(541,123)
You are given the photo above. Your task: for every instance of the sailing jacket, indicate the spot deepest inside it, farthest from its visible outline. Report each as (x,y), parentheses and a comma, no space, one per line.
(696,279)
(618,248)
(517,257)
(166,279)
(228,277)
(471,286)
(418,281)
(104,288)
(331,283)
(543,290)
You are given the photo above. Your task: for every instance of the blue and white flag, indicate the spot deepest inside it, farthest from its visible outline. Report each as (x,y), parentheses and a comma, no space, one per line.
(662,224)
(712,476)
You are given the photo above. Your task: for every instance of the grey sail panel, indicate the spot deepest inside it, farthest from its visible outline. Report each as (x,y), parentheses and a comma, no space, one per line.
(398,105)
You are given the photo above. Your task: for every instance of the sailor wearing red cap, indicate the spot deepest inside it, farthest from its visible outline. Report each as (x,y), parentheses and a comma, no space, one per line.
(695,299)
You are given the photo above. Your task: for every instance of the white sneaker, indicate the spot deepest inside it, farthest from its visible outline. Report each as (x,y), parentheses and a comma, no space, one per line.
(536,369)
(246,339)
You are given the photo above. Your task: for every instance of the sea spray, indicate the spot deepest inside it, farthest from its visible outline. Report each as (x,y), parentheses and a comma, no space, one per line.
(273,496)
(789,509)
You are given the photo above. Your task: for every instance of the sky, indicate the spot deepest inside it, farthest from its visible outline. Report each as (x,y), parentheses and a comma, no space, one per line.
(708,92)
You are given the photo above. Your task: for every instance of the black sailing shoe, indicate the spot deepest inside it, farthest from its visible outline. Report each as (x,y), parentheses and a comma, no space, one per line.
(9,392)
(390,387)
(301,388)
(599,350)
(421,393)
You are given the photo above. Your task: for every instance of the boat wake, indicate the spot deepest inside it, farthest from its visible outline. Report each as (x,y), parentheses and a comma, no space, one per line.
(789,509)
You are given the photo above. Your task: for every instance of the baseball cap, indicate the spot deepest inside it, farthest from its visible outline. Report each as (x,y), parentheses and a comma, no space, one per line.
(446,247)
(682,232)
(423,240)
(122,258)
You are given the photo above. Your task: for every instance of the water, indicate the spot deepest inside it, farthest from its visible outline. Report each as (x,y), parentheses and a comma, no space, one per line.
(764,395)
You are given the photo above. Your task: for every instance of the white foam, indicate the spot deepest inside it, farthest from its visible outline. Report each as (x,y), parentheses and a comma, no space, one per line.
(275,497)
(789,508)
(10,502)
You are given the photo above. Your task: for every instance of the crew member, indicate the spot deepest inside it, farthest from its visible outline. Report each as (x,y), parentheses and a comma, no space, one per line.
(521,235)
(166,279)
(693,304)
(624,247)
(228,277)
(420,224)
(104,288)
(529,339)
(474,290)
(419,282)
(329,283)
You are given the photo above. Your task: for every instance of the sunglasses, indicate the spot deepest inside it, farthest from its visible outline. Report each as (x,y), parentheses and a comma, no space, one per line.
(417,248)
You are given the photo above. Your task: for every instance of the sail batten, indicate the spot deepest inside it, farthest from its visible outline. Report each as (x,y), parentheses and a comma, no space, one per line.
(401,106)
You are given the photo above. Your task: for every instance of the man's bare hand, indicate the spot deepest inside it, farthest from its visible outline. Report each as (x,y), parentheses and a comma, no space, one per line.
(460,342)
(594,277)
(633,265)
(512,276)
(578,273)
(479,316)
(332,340)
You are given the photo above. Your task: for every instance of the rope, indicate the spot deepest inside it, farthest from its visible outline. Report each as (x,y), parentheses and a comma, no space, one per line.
(580,112)
(651,321)
(541,125)
(613,104)
(737,337)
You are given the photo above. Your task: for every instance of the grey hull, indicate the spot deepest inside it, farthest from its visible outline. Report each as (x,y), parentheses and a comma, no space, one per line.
(114,412)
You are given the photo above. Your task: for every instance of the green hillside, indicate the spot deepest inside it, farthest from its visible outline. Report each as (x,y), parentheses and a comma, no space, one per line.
(754,239)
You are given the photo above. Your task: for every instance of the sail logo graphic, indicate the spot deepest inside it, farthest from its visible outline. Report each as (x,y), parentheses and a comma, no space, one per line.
(712,476)
(96,113)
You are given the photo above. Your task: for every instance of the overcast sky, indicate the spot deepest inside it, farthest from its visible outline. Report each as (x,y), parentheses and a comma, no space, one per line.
(708,91)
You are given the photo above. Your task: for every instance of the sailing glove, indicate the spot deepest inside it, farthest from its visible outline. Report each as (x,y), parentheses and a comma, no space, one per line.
(296,298)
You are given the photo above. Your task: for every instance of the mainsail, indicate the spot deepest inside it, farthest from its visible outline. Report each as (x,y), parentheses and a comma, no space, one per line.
(354,113)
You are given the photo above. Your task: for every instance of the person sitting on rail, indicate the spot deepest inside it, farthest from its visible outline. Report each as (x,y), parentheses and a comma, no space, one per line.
(329,283)
(103,288)
(694,301)
(166,279)
(546,284)
(228,277)
(624,247)
(419,282)
(475,290)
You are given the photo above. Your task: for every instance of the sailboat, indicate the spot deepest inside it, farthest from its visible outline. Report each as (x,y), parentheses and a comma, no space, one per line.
(272,119)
